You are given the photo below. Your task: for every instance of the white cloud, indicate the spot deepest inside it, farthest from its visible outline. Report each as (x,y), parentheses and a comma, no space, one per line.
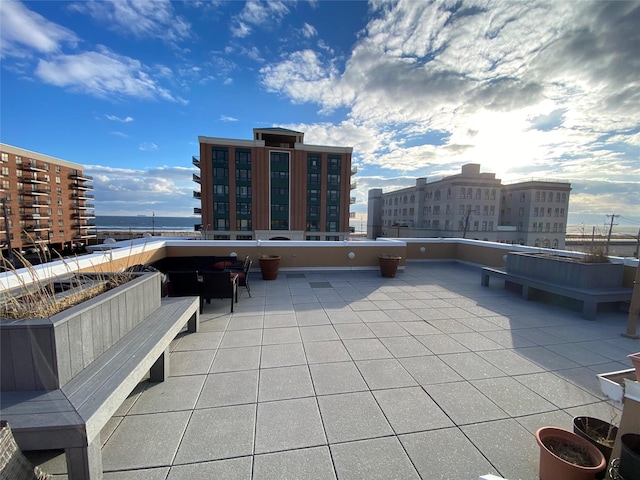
(258,14)
(102,73)
(140,18)
(225,118)
(22,30)
(119,134)
(148,146)
(115,118)
(308,31)
(522,88)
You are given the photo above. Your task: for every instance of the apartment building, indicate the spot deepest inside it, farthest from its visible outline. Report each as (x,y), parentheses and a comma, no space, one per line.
(273,186)
(473,204)
(45,202)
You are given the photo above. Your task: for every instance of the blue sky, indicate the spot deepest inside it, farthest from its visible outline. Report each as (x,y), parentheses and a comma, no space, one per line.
(527,89)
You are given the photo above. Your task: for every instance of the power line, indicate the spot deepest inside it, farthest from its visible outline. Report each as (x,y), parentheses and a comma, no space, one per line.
(613,217)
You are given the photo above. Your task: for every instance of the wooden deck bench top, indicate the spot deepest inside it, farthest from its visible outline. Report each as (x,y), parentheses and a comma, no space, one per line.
(590,298)
(73,416)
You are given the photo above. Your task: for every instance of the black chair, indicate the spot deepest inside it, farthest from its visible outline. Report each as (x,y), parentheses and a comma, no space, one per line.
(183,284)
(219,285)
(243,275)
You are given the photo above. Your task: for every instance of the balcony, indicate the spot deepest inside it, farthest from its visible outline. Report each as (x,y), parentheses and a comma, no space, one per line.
(354,170)
(354,185)
(196,178)
(85,206)
(36,228)
(80,186)
(81,177)
(82,196)
(196,161)
(83,216)
(35,216)
(35,192)
(197,210)
(197,195)
(32,166)
(352,200)
(320,367)
(35,180)
(396,371)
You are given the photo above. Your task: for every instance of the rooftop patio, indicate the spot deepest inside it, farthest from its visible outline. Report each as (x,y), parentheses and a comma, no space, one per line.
(350,375)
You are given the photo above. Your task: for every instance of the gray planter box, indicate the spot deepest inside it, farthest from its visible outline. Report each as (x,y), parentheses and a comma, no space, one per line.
(45,353)
(566,271)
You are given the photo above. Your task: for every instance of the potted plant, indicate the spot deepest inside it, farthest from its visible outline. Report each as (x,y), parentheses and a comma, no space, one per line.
(388,264)
(567,456)
(269,265)
(630,456)
(52,328)
(600,433)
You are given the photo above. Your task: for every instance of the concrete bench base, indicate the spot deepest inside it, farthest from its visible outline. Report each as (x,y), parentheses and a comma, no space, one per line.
(590,298)
(73,416)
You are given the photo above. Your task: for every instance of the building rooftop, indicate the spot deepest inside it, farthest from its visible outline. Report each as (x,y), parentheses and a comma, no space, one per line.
(350,375)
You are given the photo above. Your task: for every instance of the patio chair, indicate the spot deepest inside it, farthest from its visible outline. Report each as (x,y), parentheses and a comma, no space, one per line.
(243,275)
(219,285)
(13,464)
(183,284)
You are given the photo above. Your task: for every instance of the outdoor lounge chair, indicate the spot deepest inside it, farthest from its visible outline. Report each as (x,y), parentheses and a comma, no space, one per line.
(243,275)
(219,285)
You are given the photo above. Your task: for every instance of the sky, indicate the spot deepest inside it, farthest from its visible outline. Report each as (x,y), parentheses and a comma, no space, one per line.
(538,89)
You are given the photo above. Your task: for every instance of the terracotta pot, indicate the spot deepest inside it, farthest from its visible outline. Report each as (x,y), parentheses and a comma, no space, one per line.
(593,429)
(635,359)
(630,456)
(388,265)
(553,467)
(269,265)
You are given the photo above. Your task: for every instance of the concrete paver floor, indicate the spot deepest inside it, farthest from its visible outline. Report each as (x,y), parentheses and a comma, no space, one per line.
(350,375)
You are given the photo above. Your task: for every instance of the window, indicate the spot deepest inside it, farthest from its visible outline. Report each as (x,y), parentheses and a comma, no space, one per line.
(221,224)
(523,197)
(461,210)
(448,194)
(436,224)
(221,208)
(5,157)
(550,197)
(493,194)
(486,194)
(333,195)
(492,210)
(411,211)
(548,212)
(564,197)
(220,173)
(332,210)
(333,179)
(521,212)
(485,210)
(313,226)
(557,196)
(490,226)
(436,210)
(313,178)
(243,208)
(333,162)
(332,226)
(57,179)
(547,226)
(484,225)
(5,171)
(313,195)
(478,193)
(462,193)
(219,190)
(437,195)
(243,224)
(243,192)
(537,196)
(535,211)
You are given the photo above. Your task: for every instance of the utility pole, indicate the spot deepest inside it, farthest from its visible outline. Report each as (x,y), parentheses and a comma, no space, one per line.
(5,214)
(466,223)
(613,217)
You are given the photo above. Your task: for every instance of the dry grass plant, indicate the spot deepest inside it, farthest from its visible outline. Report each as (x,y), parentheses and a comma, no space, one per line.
(37,297)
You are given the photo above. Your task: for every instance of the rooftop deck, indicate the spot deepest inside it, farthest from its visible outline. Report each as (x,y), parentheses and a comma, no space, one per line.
(350,375)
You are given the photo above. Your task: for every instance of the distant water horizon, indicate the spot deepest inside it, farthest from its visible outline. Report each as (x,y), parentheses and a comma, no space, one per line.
(144,223)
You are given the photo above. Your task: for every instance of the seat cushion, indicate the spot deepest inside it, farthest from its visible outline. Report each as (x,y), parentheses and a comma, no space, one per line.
(222,265)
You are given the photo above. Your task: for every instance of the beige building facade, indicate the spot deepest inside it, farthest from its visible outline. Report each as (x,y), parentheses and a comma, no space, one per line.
(476,205)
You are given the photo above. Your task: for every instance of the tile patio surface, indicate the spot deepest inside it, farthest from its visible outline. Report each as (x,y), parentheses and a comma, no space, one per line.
(352,376)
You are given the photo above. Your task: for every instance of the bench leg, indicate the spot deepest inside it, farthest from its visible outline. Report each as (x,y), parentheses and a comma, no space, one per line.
(589,310)
(85,463)
(159,371)
(526,292)
(484,281)
(193,325)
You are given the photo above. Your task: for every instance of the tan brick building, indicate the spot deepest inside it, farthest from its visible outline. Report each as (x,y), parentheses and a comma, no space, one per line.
(273,186)
(45,201)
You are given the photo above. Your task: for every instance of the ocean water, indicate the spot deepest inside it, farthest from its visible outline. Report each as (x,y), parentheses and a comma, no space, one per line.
(146,223)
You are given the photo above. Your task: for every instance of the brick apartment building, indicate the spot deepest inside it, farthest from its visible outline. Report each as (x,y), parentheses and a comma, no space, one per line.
(273,187)
(45,202)
(474,205)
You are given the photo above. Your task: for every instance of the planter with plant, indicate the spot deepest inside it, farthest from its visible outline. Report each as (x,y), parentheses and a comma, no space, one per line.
(51,329)
(589,272)
(567,456)
(600,433)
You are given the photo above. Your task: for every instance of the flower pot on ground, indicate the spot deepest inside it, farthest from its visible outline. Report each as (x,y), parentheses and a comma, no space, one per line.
(389,265)
(630,456)
(600,433)
(635,359)
(567,456)
(269,266)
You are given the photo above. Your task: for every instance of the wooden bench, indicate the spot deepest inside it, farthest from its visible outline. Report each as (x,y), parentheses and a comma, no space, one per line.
(73,416)
(590,298)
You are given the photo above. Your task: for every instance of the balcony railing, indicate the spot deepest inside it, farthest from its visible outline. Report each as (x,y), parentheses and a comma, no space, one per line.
(196,161)
(196,178)
(197,195)
(352,200)
(32,166)
(80,186)
(81,176)
(86,206)
(354,185)
(82,196)
(197,211)
(354,170)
